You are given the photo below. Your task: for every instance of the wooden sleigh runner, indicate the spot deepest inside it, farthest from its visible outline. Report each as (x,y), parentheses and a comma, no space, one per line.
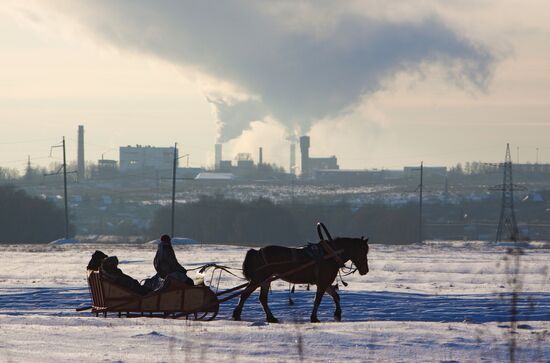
(174,301)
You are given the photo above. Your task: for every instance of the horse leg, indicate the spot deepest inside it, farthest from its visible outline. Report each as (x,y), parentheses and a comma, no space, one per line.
(317,302)
(263,299)
(244,295)
(331,290)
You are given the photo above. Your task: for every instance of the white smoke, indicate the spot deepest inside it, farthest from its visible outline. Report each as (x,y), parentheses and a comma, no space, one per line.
(299,62)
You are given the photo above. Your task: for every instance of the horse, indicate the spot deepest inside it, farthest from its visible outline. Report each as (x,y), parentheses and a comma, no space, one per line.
(301,266)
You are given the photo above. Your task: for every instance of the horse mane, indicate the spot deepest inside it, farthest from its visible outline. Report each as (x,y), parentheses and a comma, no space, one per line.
(349,240)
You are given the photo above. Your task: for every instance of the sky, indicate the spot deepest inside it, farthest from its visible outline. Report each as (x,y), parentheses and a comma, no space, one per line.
(379,84)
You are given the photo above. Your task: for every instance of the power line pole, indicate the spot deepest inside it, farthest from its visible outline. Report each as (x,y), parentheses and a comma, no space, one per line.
(65,191)
(174,166)
(421,187)
(65,198)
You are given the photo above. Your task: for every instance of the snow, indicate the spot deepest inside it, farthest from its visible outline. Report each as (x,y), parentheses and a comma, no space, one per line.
(177,241)
(64,241)
(214,176)
(441,301)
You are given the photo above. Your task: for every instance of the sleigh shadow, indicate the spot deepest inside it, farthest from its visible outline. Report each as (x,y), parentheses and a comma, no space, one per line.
(42,300)
(356,305)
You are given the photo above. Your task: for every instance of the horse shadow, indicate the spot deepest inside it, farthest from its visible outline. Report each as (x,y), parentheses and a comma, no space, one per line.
(401,306)
(357,306)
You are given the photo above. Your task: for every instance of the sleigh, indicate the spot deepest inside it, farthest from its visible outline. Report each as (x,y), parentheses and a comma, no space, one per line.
(175,301)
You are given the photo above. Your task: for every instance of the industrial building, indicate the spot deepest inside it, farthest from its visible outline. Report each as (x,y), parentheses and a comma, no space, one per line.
(106,169)
(429,171)
(134,158)
(310,165)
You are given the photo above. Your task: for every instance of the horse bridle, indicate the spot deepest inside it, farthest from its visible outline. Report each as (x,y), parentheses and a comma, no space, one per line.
(322,228)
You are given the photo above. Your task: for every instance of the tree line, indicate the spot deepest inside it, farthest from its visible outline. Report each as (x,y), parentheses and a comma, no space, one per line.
(215,219)
(218,220)
(28,219)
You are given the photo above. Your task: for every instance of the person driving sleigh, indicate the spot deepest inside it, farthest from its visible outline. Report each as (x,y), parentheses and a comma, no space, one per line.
(166,264)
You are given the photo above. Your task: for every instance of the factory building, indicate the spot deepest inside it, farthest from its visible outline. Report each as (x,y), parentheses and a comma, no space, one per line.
(106,169)
(134,158)
(429,171)
(310,165)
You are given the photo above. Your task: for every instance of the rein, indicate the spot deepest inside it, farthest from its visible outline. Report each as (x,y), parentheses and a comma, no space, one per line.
(350,270)
(332,253)
(202,269)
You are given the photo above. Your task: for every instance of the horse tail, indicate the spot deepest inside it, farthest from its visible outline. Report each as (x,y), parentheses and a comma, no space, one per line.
(250,263)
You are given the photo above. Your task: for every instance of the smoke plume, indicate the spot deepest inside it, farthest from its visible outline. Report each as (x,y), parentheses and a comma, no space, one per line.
(296,63)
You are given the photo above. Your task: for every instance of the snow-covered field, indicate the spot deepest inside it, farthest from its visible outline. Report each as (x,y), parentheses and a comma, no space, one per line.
(420,303)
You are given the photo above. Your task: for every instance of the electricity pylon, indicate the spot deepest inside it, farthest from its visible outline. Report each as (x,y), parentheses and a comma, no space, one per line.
(507,221)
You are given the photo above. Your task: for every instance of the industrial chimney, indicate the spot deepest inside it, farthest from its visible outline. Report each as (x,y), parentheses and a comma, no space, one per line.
(304,148)
(261,157)
(292,169)
(81,167)
(217,156)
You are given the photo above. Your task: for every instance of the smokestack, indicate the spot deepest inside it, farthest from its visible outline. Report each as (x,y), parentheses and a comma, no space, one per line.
(292,168)
(217,156)
(81,168)
(261,156)
(304,148)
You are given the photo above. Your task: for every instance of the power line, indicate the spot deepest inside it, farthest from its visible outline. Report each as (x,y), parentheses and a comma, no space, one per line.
(27,141)
(23,160)
(424,155)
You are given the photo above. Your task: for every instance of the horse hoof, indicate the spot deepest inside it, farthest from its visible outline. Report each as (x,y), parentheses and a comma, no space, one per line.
(272,320)
(236,317)
(314,320)
(338,317)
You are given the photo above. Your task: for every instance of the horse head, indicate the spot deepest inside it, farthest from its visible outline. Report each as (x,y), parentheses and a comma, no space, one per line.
(359,253)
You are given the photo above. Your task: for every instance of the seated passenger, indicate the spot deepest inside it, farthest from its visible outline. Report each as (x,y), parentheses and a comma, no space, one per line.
(166,263)
(110,270)
(96,260)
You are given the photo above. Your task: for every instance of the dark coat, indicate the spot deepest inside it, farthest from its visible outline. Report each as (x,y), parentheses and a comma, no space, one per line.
(165,261)
(96,260)
(110,270)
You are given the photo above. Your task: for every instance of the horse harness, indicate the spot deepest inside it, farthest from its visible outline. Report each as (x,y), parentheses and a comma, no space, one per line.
(313,251)
(331,253)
